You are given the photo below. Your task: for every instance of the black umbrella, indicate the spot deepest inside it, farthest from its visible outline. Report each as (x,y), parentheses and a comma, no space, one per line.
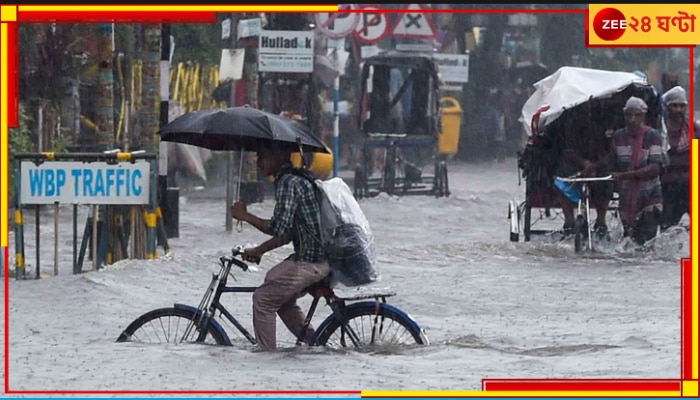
(238,128)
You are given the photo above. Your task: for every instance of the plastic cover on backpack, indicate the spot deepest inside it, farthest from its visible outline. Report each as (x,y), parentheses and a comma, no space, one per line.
(346,236)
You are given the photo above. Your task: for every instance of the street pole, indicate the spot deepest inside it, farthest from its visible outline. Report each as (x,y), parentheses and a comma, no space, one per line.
(233,32)
(170,217)
(336,123)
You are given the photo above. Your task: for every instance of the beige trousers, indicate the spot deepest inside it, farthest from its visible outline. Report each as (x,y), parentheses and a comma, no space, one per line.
(278,294)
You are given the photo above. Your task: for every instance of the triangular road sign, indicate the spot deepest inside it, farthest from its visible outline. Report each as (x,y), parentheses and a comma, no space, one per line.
(414,23)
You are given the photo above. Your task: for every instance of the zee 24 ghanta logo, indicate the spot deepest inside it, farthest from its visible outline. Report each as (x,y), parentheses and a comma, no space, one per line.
(610,23)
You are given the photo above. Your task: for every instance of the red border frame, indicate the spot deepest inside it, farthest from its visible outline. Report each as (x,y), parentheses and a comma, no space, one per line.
(487,384)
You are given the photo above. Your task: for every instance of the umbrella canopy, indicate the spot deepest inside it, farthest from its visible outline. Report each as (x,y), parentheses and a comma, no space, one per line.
(571,86)
(238,128)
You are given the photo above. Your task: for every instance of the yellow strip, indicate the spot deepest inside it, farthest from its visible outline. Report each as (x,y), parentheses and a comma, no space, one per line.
(19,260)
(124,156)
(4,134)
(152,256)
(18,217)
(221,8)
(49,155)
(477,393)
(8,13)
(695,210)
(150,219)
(690,388)
(159,214)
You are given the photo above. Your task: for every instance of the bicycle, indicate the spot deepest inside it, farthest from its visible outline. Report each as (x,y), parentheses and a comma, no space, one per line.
(343,328)
(582,223)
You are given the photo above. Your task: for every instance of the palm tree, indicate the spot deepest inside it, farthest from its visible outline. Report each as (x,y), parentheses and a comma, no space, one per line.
(150,104)
(105,88)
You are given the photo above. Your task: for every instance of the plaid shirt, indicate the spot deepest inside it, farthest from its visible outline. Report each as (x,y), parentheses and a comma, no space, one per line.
(297,216)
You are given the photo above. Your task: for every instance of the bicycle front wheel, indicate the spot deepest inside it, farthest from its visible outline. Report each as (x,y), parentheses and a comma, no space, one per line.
(369,326)
(168,325)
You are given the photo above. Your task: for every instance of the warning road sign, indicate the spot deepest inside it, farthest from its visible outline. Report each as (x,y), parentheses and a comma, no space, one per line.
(373,26)
(339,24)
(414,23)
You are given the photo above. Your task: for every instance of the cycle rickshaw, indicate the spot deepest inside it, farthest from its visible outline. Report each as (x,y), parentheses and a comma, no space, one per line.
(399,120)
(594,100)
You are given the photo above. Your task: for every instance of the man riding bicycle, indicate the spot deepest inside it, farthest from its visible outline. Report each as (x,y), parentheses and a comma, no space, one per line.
(586,151)
(296,218)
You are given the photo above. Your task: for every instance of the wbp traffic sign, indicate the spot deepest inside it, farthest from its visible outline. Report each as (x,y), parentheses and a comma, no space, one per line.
(340,24)
(373,26)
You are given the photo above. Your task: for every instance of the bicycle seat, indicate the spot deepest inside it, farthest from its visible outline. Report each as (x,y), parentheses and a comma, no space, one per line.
(321,288)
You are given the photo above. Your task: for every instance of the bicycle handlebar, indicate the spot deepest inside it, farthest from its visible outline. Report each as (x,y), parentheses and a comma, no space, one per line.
(577,178)
(228,260)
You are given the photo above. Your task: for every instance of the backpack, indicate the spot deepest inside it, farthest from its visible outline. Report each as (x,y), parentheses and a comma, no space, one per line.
(345,233)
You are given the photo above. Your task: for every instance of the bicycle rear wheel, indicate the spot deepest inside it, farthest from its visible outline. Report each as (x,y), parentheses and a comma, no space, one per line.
(168,325)
(368,326)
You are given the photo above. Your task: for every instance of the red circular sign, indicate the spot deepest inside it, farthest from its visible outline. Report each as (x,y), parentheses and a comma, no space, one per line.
(609,24)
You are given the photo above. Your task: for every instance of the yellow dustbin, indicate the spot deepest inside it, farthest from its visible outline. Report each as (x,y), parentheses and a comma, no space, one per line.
(448,142)
(321,163)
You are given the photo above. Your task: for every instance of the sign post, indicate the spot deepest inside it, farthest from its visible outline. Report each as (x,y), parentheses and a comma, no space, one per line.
(454,68)
(414,23)
(373,26)
(338,25)
(82,178)
(286,51)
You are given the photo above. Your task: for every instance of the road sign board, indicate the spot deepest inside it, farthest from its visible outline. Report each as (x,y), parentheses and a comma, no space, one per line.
(76,182)
(414,23)
(225,29)
(339,24)
(373,26)
(453,68)
(286,51)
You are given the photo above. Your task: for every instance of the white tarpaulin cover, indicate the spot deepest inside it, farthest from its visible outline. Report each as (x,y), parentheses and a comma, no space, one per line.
(571,86)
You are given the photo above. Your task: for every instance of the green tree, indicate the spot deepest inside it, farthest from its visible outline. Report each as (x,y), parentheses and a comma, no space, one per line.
(19,142)
(197,42)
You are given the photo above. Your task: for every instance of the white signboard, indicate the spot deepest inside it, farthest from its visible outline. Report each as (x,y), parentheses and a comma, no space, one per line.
(415,47)
(231,65)
(75,182)
(286,51)
(225,29)
(454,68)
(249,27)
(369,51)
